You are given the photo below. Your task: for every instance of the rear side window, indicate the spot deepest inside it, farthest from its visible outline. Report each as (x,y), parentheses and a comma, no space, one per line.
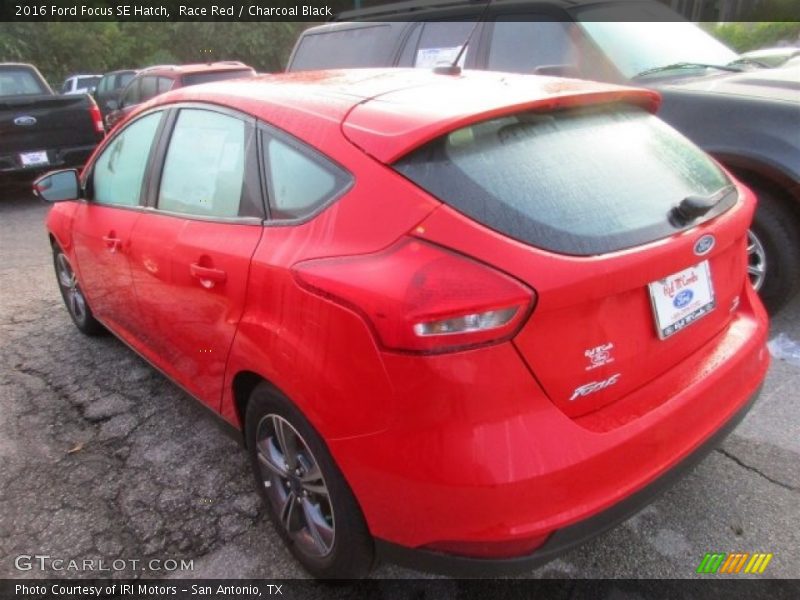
(119,171)
(358,47)
(300,180)
(204,168)
(581,182)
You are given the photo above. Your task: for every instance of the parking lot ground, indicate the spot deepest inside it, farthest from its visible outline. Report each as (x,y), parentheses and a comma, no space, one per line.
(102,457)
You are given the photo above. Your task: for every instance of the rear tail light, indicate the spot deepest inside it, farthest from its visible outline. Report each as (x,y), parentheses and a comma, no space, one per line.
(96,116)
(419,297)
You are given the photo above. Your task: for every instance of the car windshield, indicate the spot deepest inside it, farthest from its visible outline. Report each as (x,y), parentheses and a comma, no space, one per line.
(635,47)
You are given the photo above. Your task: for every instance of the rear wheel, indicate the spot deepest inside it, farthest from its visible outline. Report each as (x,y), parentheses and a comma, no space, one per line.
(71,292)
(307,498)
(773,252)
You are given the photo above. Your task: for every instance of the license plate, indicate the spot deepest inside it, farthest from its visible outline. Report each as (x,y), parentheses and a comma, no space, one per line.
(682,298)
(32,159)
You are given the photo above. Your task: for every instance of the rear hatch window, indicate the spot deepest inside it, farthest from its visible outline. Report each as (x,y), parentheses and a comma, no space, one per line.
(582,181)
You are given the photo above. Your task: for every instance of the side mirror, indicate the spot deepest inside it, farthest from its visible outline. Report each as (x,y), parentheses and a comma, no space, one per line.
(112,104)
(58,186)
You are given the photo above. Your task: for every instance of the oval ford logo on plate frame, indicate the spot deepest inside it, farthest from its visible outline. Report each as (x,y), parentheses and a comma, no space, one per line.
(25,121)
(704,245)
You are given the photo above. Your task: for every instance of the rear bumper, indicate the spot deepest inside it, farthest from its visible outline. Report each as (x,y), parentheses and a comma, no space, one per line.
(71,156)
(477,453)
(568,537)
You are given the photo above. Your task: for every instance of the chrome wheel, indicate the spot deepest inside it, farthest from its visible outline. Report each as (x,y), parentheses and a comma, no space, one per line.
(73,297)
(294,485)
(756,260)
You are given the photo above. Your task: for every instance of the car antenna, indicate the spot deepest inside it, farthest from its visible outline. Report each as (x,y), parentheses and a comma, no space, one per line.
(453,68)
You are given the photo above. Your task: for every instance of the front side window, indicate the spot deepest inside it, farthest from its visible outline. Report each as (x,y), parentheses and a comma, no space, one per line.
(582,182)
(300,180)
(359,46)
(119,171)
(205,165)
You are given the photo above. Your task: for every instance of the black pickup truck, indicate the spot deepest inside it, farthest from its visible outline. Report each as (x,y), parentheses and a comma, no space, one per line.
(39,129)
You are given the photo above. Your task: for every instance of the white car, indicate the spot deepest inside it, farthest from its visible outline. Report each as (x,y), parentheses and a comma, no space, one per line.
(80,84)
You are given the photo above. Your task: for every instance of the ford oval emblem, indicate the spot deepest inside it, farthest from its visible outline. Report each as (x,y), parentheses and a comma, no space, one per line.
(704,245)
(683,298)
(25,121)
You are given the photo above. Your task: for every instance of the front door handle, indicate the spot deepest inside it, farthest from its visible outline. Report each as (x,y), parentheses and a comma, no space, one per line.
(208,276)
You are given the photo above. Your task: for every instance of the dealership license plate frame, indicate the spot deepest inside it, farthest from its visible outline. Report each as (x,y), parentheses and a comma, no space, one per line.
(668,316)
(34,159)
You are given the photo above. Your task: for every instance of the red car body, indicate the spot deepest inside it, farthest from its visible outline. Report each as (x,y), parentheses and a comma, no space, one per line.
(481,448)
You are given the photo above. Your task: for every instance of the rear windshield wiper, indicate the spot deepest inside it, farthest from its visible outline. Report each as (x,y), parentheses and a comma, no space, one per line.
(687,65)
(692,207)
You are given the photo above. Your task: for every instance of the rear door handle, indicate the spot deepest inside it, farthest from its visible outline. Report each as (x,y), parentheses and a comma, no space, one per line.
(207,276)
(112,241)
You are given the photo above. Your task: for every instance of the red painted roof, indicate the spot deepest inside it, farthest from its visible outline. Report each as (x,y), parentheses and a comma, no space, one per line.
(388,112)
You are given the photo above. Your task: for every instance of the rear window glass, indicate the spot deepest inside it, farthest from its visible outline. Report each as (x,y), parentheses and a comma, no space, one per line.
(580,182)
(197,78)
(356,47)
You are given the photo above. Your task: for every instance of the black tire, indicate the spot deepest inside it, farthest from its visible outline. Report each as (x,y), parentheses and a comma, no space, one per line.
(75,301)
(326,530)
(776,229)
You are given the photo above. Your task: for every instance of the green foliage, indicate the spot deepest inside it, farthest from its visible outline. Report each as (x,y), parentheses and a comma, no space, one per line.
(743,37)
(62,49)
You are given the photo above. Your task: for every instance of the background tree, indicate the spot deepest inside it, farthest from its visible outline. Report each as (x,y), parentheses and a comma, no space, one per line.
(62,49)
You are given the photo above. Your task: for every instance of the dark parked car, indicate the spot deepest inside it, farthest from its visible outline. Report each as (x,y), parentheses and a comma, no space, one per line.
(110,87)
(156,80)
(744,115)
(40,129)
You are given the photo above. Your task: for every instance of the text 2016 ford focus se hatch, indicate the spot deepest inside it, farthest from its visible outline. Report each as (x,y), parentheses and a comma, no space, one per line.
(463,320)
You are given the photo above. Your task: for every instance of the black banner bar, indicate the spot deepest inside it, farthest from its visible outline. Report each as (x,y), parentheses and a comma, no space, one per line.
(711,588)
(326,10)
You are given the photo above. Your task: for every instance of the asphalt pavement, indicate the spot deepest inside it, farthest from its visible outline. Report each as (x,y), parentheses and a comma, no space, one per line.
(101,457)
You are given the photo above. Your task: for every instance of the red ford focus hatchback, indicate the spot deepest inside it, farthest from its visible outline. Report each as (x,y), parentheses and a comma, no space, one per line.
(463,321)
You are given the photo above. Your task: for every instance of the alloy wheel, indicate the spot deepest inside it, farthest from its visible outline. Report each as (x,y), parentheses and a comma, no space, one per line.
(73,296)
(756,260)
(295,486)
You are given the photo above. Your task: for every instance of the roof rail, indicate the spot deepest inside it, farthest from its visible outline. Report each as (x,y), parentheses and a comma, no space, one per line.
(152,67)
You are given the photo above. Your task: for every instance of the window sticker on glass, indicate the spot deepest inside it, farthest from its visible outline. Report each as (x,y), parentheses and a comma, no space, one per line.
(427,58)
